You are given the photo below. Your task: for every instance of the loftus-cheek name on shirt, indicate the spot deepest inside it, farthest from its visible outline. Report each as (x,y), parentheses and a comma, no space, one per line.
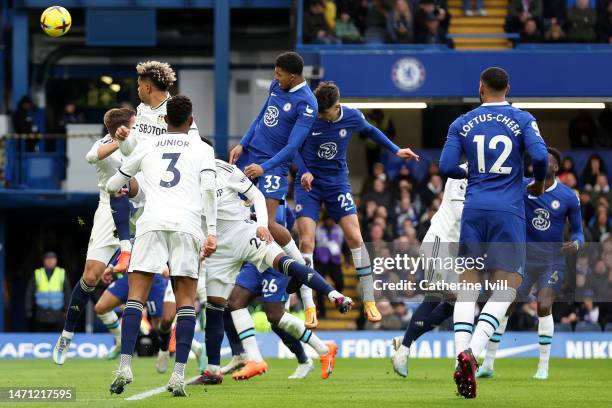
(172,142)
(489,117)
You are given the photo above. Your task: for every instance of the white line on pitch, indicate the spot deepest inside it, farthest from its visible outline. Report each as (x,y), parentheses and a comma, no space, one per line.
(154,391)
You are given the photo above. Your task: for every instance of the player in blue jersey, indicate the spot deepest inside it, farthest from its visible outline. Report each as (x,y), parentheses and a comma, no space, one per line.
(493,137)
(270,144)
(323,179)
(546,218)
(117,294)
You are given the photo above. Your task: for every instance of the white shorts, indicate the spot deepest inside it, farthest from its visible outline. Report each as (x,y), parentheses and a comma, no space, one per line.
(154,249)
(237,243)
(102,241)
(440,254)
(201,291)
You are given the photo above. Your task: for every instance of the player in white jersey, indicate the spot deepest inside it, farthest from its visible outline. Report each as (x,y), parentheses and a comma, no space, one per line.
(154,81)
(104,155)
(178,173)
(438,247)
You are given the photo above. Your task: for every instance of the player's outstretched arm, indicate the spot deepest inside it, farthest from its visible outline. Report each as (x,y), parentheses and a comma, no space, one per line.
(128,169)
(577,235)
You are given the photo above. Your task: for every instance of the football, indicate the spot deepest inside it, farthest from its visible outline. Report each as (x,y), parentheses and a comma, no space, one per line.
(55,21)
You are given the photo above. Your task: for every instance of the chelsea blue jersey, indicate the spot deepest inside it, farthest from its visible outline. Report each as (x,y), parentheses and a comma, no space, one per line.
(493,138)
(281,126)
(324,151)
(546,216)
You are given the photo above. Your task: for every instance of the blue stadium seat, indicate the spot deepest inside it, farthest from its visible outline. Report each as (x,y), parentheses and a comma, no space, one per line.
(587,327)
(608,327)
(562,327)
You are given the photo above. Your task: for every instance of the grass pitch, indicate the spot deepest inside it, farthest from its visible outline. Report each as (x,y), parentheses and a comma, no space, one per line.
(355,383)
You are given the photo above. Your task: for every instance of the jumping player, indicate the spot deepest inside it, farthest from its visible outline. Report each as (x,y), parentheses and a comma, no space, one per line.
(323,178)
(493,137)
(178,171)
(104,155)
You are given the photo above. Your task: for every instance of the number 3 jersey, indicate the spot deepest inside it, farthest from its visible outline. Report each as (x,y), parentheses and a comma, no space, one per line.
(493,138)
(171,166)
(546,216)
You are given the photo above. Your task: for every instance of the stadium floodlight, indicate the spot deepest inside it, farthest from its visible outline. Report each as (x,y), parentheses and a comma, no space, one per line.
(559,105)
(386,105)
(106,79)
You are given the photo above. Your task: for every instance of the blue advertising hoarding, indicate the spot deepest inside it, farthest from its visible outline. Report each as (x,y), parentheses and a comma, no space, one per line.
(352,344)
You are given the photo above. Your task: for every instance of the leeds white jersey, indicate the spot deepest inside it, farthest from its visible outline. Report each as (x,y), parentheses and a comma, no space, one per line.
(446,222)
(149,123)
(104,168)
(229,183)
(171,167)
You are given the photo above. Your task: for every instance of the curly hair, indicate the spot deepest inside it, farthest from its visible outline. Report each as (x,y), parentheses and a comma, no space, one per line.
(160,74)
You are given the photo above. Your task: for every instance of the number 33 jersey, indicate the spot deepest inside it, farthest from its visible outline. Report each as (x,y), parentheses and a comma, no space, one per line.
(172,166)
(494,137)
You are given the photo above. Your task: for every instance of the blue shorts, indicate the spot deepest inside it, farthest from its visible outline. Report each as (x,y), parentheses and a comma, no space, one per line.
(542,276)
(271,285)
(155,301)
(498,238)
(338,201)
(273,183)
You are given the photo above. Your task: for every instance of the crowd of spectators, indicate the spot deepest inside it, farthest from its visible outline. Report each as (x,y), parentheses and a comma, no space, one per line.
(560,21)
(376,21)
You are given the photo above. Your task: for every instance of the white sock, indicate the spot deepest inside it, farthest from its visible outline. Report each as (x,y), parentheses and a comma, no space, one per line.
(306,295)
(305,291)
(492,313)
(126,245)
(293,252)
(463,318)
(546,329)
(295,327)
(244,326)
(67,334)
(334,294)
(215,369)
(493,344)
(196,347)
(308,257)
(111,321)
(179,369)
(126,361)
(361,260)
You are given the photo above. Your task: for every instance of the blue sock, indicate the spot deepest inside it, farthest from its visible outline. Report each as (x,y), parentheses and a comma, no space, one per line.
(214,332)
(120,207)
(164,337)
(185,328)
(305,275)
(78,301)
(232,334)
(293,344)
(130,325)
(418,323)
(442,312)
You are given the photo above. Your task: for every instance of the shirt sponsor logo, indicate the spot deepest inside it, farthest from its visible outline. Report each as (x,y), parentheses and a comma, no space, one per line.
(271,116)
(541,221)
(328,150)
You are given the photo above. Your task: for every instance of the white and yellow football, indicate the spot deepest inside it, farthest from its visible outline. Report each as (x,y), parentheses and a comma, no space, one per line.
(55,21)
